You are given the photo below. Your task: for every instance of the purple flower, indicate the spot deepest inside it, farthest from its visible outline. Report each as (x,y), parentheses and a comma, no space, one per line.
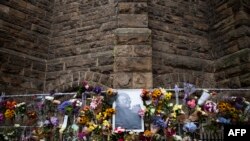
(189,127)
(159,122)
(62,106)
(97,90)
(54,121)
(1,117)
(81,135)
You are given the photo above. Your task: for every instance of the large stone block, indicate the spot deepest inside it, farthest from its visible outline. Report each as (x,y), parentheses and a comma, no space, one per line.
(55,67)
(245,80)
(133,39)
(229,83)
(142,80)
(108,26)
(132,64)
(12,69)
(132,8)
(78,63)
(105,60)
(132,21)
(4,9)
(40,66)
(123,80)
(234,59)
(40,29)
(132,50)
(37,85)
(34,74)
(186,62)
(17,14)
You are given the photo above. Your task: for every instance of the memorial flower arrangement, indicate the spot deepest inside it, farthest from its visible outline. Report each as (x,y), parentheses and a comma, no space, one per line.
(87,115)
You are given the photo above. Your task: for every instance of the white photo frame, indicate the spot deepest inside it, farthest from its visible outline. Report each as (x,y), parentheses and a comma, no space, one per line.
(128,118)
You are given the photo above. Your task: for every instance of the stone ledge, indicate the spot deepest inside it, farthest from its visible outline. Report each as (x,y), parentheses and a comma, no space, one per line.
(132,31)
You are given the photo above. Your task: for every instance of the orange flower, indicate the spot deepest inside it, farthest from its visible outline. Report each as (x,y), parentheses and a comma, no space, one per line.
(148,133)
(10,104)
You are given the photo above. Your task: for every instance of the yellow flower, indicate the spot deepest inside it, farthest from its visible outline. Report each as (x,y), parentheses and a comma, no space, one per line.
(99,116)
(168,96)
(82,120)
(105,123)
(9,113)
(109,91)
(91,127)
(177,107)
(156,93)
(109,112)
(173,115)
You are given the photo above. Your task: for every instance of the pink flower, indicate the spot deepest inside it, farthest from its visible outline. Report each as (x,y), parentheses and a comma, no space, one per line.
(141,112)
(95,102)
(191,103)
(119,130)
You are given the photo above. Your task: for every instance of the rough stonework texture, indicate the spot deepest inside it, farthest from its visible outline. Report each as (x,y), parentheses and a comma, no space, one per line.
(180,43)
(56,44)
(81,44)
(231,42)
(24,40)
(133,47)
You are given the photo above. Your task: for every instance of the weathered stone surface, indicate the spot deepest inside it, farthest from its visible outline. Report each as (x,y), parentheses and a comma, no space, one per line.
(71,41)
(123,80)
(40,66)
(142,80)
(121,31)
(245,80)
(133,64)
(40,29)
(108,26)
(34,74)
(133,39)
(132,50)
(55,67)
(132,8)
(233,60)
(132,20)
(80,63)
(15,70)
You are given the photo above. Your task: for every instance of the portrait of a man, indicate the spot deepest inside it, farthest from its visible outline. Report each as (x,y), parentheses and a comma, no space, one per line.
(127,106)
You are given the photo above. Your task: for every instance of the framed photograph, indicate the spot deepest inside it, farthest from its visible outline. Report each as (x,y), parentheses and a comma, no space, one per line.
(127,106)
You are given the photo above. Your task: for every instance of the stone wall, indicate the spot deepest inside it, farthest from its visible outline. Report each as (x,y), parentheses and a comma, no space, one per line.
(55,44)
(82,44)
(230,37)
(181,49)
(24,41)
